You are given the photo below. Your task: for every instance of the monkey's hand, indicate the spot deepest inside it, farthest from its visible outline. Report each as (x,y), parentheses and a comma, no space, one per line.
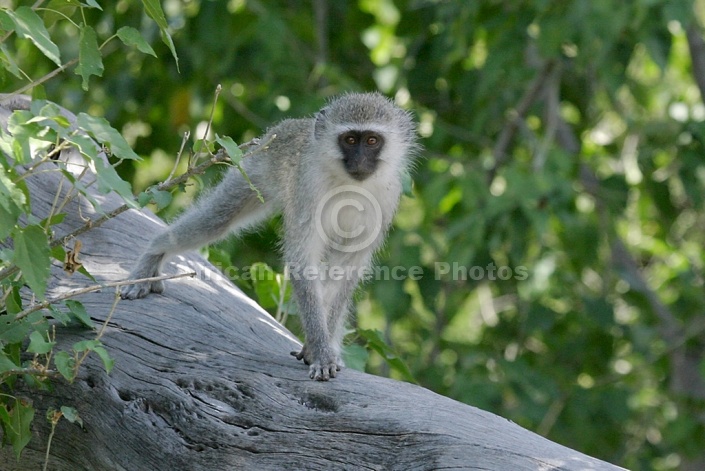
(322,369)
(140,290)
(147,267)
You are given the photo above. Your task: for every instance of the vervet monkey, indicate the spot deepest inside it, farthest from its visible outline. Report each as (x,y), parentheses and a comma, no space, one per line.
(337,179)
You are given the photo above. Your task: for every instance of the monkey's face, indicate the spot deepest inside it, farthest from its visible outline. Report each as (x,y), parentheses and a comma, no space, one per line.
(361,150)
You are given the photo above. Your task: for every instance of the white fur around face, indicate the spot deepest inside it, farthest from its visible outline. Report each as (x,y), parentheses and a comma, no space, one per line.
(353,215)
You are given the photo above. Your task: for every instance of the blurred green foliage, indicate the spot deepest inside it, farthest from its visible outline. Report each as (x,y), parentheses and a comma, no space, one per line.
(558,205)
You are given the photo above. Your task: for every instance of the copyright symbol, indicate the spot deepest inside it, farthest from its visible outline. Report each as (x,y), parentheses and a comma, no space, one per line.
(348,218)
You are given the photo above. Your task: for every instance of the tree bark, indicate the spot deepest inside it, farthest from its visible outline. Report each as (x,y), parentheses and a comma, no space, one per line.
(203,380)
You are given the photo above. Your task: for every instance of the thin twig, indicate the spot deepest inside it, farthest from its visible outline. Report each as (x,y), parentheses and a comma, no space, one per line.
(220,157)
(51,436)
(90,289)
(102,330)
(70,193)
(53,204)
(696,45)
(244,111)
(532,93)
(40,372)
(282,314)
(551,115)
(184,140)
(9,33)
(622,260)
(320,8)
(39,81)
(218,89)
(110,313)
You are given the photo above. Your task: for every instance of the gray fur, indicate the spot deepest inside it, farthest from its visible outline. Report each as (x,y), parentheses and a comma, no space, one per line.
(330,218)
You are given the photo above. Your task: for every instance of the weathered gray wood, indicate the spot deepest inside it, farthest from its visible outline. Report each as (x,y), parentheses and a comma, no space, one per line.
(203,380)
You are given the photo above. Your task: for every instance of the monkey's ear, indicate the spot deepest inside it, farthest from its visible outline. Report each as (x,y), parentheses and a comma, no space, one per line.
(320,124)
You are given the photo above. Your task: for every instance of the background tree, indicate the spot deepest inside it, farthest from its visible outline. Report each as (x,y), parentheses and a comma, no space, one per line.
(564,142)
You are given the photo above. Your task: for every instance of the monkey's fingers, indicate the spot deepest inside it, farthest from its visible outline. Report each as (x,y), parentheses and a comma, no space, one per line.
(140,290)
(322,373)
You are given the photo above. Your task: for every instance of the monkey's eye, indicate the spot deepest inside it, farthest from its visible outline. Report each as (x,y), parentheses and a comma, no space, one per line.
(372,141)
(351,140)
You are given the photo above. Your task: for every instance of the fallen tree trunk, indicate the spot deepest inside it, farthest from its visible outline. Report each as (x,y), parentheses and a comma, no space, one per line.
(203,380)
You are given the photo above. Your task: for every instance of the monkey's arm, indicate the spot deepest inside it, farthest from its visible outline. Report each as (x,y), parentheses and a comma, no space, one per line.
(231,206)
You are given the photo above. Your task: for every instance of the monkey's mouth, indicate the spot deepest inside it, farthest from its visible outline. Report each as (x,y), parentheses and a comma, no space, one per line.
(360,168)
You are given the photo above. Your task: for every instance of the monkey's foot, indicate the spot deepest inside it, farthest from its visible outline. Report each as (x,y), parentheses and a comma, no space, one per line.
(319,370)
(140,290)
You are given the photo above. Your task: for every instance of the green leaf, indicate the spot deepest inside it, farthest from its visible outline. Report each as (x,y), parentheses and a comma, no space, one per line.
(234,152)
(48,114)
(247,179)
(85,273)
(109,180)
(18,432)
(38,344)
(9,210)
(18,144)
(264,280)
(26,126)
(58,253)
(152,195)
(39,93)
(85,145)
(375,341)
(161,198)
(14,352)
(7,221)
(355,357)
(59,315)
(8,62)
(6,364)
(202,146)
(65,364)
(12,331)
(29,25)
(90,62)
(4,418)
(80,313)
(154,10)
(101,130)
(57,10)
(71,415)
(131,37)
(12,197)
(94,4)
(108,362)
(166,38)
(13,302)
(97,347)
(84,345)
(6,23)
(55,219)
(83,190)
(407,183)
(33,257)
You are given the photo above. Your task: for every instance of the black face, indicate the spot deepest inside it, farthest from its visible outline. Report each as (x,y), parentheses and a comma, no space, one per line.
(360,152)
